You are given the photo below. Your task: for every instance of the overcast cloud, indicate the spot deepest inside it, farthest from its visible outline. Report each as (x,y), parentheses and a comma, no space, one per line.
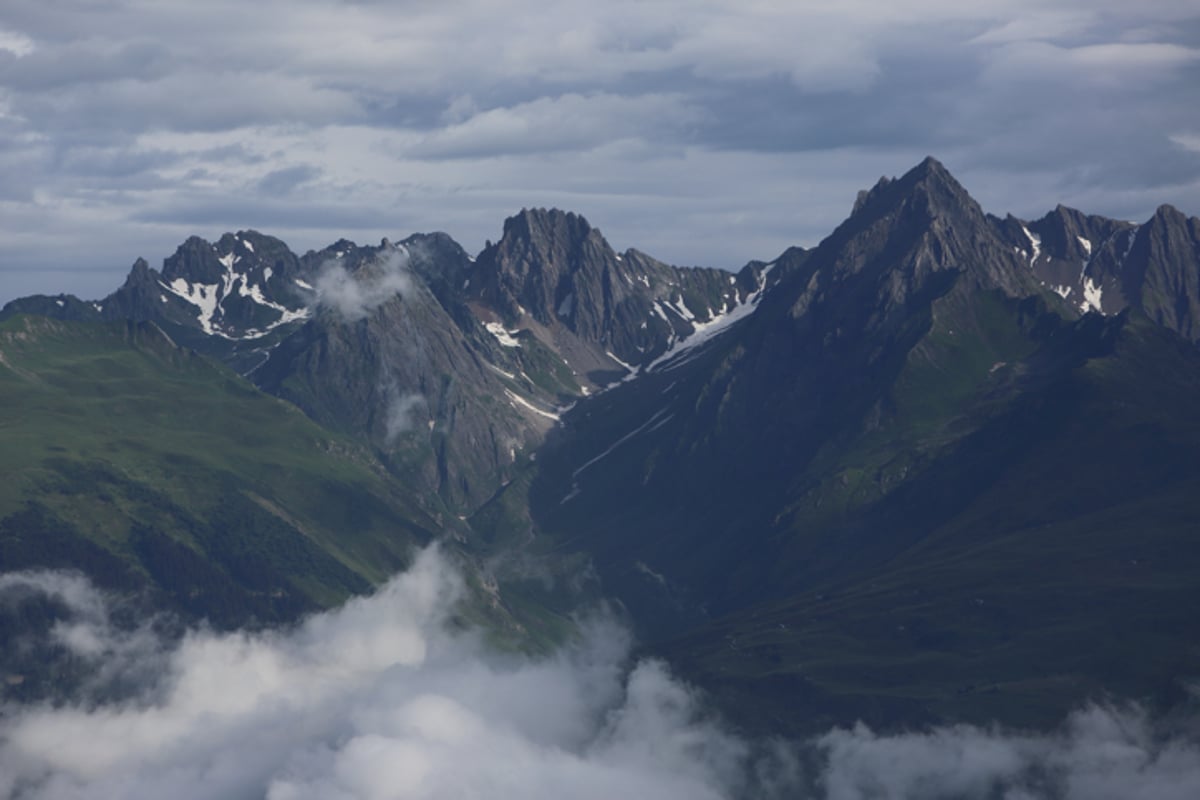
(704,132)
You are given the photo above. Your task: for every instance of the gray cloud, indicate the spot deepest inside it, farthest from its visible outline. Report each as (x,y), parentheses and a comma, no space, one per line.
(568,122)
(288,179)
(120,122)
(291,214)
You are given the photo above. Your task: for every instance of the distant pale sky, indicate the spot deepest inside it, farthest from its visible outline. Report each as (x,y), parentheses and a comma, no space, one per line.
(702,132)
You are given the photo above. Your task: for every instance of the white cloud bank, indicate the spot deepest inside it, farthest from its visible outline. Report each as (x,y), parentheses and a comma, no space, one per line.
(374,700)
(379,699)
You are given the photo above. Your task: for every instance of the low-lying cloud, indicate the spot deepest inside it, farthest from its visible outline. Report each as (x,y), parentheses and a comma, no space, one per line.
(354,295)
(375,699)
(381,699)
(1101,753)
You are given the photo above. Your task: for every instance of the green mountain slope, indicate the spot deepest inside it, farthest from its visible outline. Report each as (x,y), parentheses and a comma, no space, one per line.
(1046,557)
(146,465)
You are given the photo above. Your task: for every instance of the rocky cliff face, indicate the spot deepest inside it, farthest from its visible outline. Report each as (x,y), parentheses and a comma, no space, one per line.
(602,312)
(911,310)
(821,494)
(1103,265)
(393,364)
(1162,271)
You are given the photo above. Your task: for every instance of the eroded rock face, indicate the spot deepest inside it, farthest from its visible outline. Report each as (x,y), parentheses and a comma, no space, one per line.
(552,271)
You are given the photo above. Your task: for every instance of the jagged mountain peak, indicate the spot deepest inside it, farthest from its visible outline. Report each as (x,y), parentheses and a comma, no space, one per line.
(249,242)
(906,229)
(1161,270)
(551,238)
(931,166)
(142,278)
(929,173)
(140,269)
(341,245)
(925,193)
(1064,216)
(547,223)
(603,314)
(938,192)
(532,268)
(439,238)
(1063,233)
(1169,214)
(865,195)
(195,259)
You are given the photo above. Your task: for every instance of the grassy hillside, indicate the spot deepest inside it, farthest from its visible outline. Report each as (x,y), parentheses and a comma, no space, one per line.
(1037,549)
(994,522)
(145,464)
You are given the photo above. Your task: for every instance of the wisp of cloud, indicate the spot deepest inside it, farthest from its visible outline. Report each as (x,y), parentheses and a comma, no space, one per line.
(354,295)
(403,415)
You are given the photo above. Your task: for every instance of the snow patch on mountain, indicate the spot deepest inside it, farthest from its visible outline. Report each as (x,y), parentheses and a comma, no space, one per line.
(286,314)
(630,367)
(1133,232)
(683,350)
(657,308)
(504,337)
(209,297)
(521,401)
(661,417)
(1092,293)
(1035,242)
(203,296)
(681,309)
(499,371)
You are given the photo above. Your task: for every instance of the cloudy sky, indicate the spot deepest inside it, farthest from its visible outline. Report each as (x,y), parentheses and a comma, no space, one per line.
(704,132)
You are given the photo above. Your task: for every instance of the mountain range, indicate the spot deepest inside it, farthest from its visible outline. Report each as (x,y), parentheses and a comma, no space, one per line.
(942,466)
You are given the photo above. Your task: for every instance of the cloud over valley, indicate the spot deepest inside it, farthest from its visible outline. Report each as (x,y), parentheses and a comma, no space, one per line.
(381,698)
